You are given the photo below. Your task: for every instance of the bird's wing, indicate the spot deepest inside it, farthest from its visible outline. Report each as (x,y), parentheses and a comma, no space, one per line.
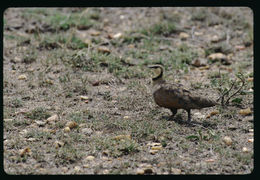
(186,99)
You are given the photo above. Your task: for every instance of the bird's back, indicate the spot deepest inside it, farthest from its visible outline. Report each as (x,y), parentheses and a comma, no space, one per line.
(176,96)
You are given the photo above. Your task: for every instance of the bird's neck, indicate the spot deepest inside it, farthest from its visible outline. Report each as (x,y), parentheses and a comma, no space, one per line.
(158,80)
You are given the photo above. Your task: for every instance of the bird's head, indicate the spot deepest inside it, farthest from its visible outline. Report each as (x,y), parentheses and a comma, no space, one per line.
(158,70)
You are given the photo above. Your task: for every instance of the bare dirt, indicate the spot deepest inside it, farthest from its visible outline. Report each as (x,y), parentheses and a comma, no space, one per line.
(77,97)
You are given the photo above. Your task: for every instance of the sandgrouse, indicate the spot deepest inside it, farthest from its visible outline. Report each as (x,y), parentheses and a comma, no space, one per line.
(174,96)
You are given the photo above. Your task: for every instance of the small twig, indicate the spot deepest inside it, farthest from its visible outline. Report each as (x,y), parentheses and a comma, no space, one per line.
(192,32)
(227,37)
(243,83)
(226,93)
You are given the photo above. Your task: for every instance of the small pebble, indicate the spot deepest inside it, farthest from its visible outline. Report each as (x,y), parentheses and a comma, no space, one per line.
(251,140)
(89,158)
(53,118)
(24,151)
(22,77)
(227,140)
(72,124)
(103,49)
(184,35)
(245,149)
(245,112)
(67,129)
(175,171)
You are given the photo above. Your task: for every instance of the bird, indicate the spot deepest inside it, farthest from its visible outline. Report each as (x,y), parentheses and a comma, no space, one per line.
(175,96)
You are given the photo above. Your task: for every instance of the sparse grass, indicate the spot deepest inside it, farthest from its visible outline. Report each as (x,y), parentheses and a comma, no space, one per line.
(38,113)
(61,66)
(116,147)
(229,88)
(162,28)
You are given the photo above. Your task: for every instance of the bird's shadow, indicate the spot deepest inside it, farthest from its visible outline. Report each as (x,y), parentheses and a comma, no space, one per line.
(178,119)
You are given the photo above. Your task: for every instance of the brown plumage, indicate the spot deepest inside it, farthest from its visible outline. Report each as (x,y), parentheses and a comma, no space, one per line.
(175,96)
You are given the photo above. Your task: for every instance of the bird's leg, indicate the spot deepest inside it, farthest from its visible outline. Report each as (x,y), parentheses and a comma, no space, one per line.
(189,115)
(174,111)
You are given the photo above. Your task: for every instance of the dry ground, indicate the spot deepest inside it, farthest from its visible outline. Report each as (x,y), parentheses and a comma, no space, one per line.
(77,96)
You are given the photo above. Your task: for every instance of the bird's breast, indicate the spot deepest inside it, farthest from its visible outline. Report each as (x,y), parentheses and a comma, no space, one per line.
(166,99)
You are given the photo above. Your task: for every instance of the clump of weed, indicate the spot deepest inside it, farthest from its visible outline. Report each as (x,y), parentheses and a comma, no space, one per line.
(67,154)
(16,103)
(48,44)
(228,88)
(79,117)
(164,28)
(200,14)
(117,147)
(76,43)
(38,113)
(181,57)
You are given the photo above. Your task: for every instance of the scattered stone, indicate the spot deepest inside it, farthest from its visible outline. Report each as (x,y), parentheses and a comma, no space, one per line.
(126,117)
(220,57)
(156,148)
(106,153)
(8,120)
(94,33)
(85,165)
(103,49)
(24,132)
(40,123)
(227,140)
(217,56)
(95,83)
(154,144)
(71,124)
(87,42)
(199,115)
(204,67)
(248,118)
(31,139)
(232,127)
(245,112)
(251,130)
(240,47)
(148,171)
(153,152)
(105,171)
(196,33)
(184,35)
(53,118)
(210,160)
(22,77)
(25,151)
(139,171)
(124,136)
(212,113)
(251,79)
(144,169)
(131,46)
(64,169)
(215,39)
(87,131)
(251,140)
(89,158)
(66,129)
(58,144)
(77,169)
(84,97)
(115,36)
(245,150)
(175,171)
(199,62)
